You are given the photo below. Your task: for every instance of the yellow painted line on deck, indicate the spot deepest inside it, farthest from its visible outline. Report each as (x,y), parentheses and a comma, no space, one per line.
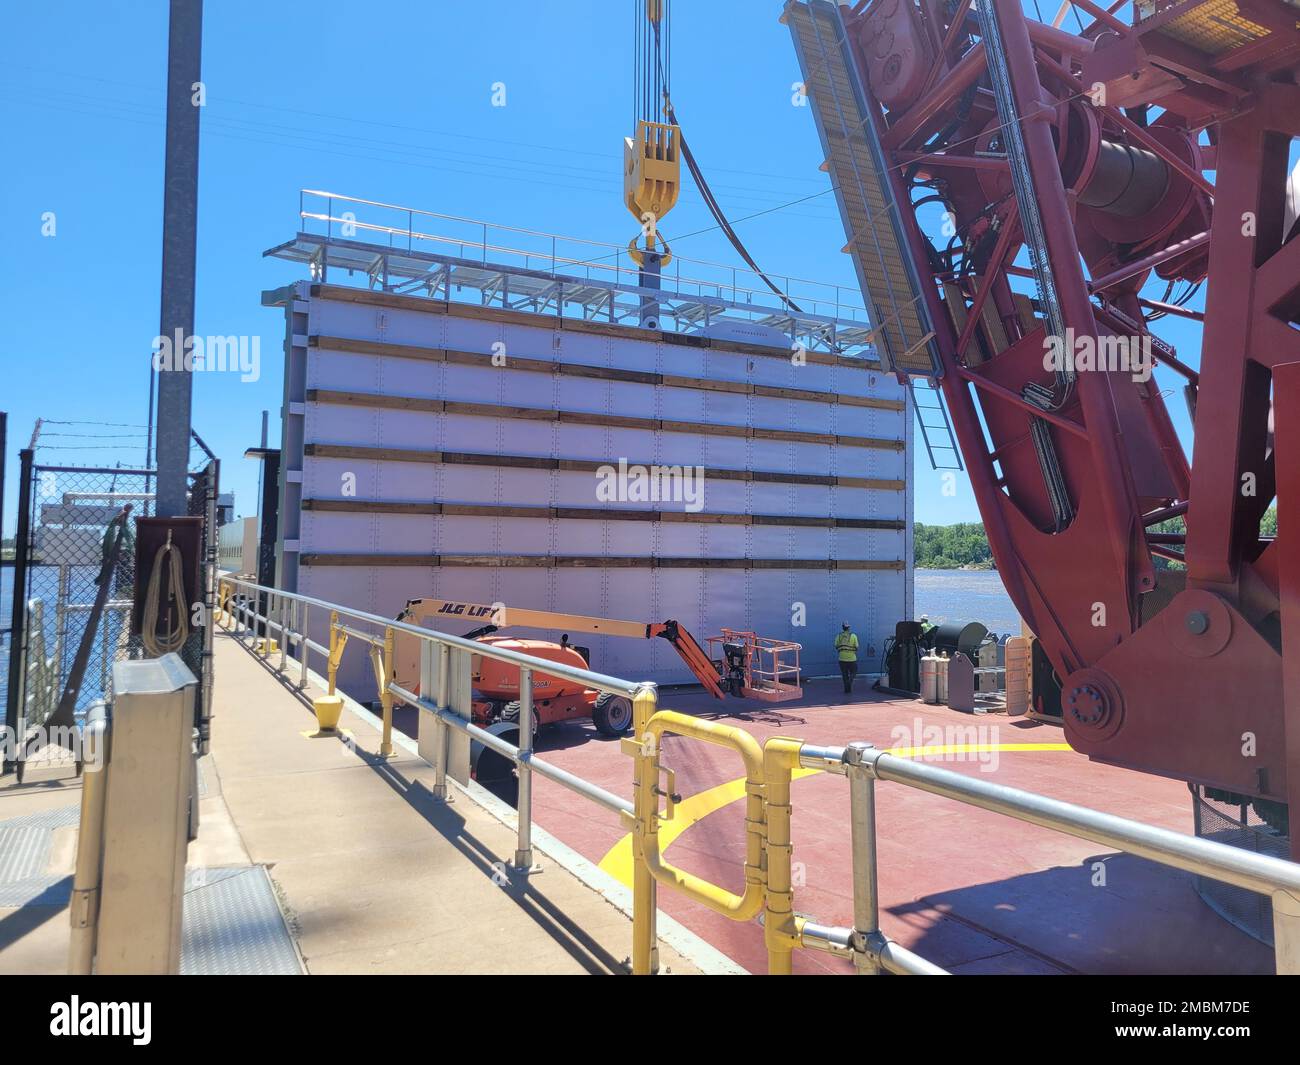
(694,808)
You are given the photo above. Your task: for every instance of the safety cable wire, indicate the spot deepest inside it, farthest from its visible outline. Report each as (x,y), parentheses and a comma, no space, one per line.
(715,209)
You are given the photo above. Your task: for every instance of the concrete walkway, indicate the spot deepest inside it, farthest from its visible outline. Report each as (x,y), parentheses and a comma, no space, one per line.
(372,875)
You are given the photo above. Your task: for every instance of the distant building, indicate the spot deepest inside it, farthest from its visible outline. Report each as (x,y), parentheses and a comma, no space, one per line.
(225,508)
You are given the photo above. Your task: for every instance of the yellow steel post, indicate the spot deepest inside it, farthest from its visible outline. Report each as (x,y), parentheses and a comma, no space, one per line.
(333,667)
(780,926)
(386,696)
(645,945)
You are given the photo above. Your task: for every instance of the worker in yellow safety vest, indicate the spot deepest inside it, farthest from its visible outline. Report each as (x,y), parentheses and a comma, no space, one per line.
(846,645)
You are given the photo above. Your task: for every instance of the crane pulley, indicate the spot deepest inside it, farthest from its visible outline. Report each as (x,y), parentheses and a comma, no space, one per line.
(652,155)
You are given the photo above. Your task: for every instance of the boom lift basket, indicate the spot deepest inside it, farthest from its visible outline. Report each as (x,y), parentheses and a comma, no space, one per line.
(758,666)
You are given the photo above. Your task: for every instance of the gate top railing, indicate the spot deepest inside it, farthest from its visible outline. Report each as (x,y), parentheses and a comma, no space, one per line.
(554,253)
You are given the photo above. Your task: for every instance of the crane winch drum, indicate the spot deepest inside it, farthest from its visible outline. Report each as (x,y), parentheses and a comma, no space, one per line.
(958,637)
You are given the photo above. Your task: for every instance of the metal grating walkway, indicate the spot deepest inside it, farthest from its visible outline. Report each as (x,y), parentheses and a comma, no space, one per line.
(856,166)
(232,922)
(233,925)
(25,845)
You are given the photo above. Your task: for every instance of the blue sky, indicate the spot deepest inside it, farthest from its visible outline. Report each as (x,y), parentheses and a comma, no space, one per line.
(392,102)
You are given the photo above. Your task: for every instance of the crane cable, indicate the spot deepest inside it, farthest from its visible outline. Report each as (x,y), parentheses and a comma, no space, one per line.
(710,201)
(715,210)
(174,637)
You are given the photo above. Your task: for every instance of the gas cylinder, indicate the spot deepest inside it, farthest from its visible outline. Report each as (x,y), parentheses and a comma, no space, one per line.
(930,678)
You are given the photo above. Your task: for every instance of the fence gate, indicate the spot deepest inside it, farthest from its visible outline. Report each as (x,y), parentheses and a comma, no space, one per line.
(63,515)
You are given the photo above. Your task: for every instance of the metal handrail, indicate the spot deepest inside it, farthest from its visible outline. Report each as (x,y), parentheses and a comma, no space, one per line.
(864,764)
(842,295)
(594,792)
(446,719)
(622,278)
(599,681)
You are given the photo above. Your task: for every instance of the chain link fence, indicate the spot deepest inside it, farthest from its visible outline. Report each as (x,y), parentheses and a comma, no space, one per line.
(50,591)
(70,512)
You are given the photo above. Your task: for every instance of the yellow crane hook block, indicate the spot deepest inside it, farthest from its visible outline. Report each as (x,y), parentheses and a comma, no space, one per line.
(651,174)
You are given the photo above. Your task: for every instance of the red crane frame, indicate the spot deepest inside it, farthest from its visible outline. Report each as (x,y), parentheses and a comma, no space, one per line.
(1181,676)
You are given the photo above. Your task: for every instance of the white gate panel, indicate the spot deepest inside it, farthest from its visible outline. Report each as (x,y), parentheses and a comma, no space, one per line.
(680,360)
(331,369)
(473,334)
(400,482)
(682,404)
(703,599)
(680,540)
(576,488)
(724,496)
(723,452)
(730,408)
(727,541)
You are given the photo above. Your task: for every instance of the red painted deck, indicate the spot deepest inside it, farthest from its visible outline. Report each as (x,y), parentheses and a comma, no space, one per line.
(972,891)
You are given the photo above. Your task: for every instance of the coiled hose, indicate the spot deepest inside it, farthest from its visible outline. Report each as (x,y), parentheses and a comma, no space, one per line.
(173,639)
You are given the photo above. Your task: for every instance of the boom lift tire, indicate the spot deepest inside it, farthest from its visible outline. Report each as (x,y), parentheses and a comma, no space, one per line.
(510,712)
(486,765)
(612,714)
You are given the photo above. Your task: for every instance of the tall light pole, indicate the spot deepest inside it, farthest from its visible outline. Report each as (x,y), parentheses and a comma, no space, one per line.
(180,224)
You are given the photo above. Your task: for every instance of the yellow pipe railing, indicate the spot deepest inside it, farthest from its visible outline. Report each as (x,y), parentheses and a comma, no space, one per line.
(781,929)
(338,641)
(645,940)
(381,660)
(645,748)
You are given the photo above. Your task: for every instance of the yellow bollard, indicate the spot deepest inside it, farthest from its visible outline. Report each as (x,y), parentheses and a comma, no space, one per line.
(645,947)
(329,707)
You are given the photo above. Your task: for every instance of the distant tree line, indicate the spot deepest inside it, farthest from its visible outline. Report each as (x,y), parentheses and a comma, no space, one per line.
(960,546)
(964,545)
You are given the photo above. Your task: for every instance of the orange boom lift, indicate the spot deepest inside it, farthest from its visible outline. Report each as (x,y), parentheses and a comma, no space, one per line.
(749,666)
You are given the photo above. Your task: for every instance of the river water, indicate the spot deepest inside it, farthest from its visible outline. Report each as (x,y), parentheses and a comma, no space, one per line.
(941,594)
(966,595)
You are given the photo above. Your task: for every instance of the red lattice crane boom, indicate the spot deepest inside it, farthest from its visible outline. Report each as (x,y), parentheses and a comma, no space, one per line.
(1070,170)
